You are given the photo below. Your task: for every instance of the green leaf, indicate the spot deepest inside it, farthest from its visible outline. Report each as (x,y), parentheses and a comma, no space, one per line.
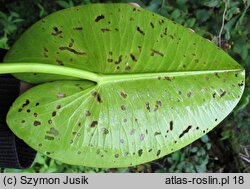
(156,86)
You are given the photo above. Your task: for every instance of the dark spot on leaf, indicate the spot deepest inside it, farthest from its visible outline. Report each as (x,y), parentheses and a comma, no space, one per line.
(197,128)
(122,141)
(23,121)
(105,30)
(105,131)
(157,133)
(125,120)
(58,106)
(185,131)
(56,31)
(50,121)
(167,78)
(171,125)
(79,152)
(152,25)
(140,152)
(157,105)
(93,124)
(148,106)
(98,18)
(155,52)
(71,43)
(223,93)
(97,96)
(123,94)
(241,84)
(189,94)
(127,68)
(26,103)
(28,110)
(54,114)
(158,152)
(139,48)
(110,60)
(40,145)
(36,123)
(119,60)
(216,119)
(53,131)
(116,155)
(123,107)
(72,50)
(140,30)
(59,62)
(49,137)
(216,74)
(20,109)
(214,94)
(133,57)
(87,113)
(77,28)
(35,114)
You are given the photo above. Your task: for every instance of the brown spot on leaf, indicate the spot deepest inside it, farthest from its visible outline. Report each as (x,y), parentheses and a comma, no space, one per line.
(49,137)
(119,60)
(56,31)
(97,96)
(87,113)
(189,94)
(78,28)
(155,52)
(171,123)
(123,94)
(59,62)
(105,30)
(71,43)
(72,50)
(223,93)
(158,152)
(152,25)
(26,103)
(157,133)
(185,131)
(53,131)
(140,30)
(98,18)
(36,123)
(123,107)
(127,68)
(133,57)
(93,124)
(148,106)
(140,152)
(157,105)
(54,114)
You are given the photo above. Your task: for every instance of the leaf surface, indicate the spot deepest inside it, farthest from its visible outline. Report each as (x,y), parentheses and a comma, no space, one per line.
(160,86)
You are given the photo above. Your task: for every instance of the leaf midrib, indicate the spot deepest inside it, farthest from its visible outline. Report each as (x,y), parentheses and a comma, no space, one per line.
(98,78)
